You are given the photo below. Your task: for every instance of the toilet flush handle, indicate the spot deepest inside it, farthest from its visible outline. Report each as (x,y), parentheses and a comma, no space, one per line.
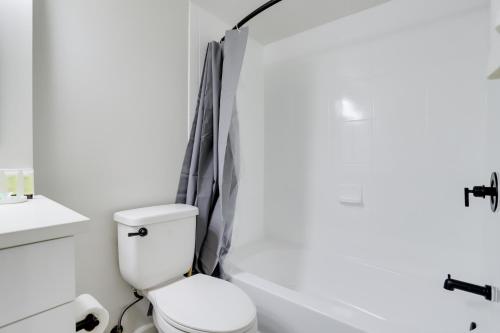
(142,232)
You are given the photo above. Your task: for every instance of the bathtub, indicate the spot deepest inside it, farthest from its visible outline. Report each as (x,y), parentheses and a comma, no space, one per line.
(353,297)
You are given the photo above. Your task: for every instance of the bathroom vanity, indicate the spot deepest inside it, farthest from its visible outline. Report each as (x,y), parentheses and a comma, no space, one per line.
(37,266)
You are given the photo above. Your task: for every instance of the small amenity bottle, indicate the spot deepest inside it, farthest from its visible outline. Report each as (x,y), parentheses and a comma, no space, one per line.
(29,183)
(20,183)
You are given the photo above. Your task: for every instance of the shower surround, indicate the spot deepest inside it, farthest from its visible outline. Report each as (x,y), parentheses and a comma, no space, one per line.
(357,139)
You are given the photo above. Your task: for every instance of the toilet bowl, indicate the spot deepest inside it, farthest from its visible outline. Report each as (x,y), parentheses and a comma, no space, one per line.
(156,247)
(202,304)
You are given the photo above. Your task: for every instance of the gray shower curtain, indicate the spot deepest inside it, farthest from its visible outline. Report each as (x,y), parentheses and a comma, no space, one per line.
(209,176)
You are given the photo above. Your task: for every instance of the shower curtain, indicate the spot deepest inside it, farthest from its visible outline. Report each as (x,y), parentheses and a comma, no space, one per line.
(209,176)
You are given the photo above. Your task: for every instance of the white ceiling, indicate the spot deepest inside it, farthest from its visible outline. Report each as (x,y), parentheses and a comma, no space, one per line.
(286,18)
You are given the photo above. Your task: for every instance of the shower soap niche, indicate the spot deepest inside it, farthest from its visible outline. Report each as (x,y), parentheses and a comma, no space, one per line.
(351,194)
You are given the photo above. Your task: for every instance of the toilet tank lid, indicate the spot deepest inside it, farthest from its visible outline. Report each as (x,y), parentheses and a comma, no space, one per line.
(156,214)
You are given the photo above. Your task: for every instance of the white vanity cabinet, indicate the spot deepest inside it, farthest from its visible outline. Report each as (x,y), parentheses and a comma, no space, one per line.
(37,266)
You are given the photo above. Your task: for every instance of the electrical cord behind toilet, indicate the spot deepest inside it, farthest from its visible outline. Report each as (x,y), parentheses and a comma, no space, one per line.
(119,328)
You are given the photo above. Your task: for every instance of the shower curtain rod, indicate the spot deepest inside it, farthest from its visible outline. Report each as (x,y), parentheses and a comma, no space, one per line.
(256,12)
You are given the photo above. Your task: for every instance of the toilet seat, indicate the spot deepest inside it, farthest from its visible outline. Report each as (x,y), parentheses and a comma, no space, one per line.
(203,304)
(163,327)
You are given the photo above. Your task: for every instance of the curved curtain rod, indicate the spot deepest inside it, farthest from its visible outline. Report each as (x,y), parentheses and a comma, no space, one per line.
(256,12)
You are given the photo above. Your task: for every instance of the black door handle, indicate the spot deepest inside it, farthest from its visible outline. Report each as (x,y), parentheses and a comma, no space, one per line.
(142,232)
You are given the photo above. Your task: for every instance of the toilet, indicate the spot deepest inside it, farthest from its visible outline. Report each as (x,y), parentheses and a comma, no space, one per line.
(156,248)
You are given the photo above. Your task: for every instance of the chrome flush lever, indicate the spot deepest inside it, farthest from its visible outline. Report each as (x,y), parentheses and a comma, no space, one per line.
(484,191)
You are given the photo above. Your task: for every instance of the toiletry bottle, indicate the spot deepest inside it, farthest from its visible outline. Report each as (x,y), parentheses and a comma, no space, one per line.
(3,184)
(29,183)
(20,184)
(11,177)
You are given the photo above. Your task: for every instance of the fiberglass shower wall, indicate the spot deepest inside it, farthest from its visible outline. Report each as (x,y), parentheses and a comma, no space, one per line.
(388,105)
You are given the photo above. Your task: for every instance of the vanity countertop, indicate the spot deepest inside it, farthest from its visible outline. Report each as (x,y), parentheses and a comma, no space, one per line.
(37,220)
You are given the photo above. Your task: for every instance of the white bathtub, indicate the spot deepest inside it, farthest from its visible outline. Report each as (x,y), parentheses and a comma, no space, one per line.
(354,297)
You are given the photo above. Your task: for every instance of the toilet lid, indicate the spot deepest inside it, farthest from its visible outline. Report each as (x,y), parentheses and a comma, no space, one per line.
(202,303)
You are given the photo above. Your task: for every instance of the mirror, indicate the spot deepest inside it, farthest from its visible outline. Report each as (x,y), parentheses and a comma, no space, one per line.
(16,54)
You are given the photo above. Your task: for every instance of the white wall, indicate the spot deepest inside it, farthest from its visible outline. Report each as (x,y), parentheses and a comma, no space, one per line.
(110,120)
(204,27)
(394,100)
(16,134)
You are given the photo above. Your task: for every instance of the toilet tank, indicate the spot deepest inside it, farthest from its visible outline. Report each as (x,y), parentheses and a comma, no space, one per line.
(155,244)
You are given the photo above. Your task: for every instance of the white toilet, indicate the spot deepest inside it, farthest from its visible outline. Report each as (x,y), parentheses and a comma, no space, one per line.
(156,248)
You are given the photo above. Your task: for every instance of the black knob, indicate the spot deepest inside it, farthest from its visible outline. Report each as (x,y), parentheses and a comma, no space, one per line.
(484,191)
(142,232)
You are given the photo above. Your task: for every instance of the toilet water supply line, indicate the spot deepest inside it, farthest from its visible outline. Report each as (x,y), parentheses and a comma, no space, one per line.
(119,328)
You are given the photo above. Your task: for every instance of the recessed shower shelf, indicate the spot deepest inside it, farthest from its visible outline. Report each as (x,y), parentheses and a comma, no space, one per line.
(351,194)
